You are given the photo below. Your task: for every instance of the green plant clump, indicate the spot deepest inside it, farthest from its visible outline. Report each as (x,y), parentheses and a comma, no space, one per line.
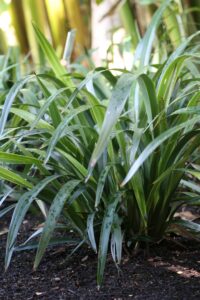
(114,155)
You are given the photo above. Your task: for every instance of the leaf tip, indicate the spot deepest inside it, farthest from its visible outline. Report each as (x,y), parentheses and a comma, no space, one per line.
(93,163)
(46,161)
(122,184)
(87,177)
(90,169)
(98,288)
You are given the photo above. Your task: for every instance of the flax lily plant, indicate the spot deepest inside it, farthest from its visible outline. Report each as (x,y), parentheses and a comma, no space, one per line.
(109,153)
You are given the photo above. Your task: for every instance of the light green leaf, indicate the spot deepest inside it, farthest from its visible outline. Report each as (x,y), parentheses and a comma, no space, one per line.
(54,213)
(50,54)
(144,48)
(9,101)
(10,176)
(117,102)
(11,158)
(30,118)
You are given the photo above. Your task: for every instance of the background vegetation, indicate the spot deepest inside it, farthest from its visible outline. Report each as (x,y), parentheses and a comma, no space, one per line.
(116,22)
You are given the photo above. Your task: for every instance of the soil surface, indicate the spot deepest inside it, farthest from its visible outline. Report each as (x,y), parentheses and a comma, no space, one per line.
(170,272)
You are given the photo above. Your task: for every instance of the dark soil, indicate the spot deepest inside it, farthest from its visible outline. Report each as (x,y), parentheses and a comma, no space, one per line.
(170,272)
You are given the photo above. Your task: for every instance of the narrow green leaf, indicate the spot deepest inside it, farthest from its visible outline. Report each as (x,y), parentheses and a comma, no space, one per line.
(30,118)
(90,231)
(117,102)
(9,101)
(150,98)
(54,213)
(50,54)
(191,185)
(144,48)
(100,185)
(5,195)
(6,210)
(11,158)
(98,110)
(53,109)
(196,174)
(10,176)
(80,168)
(52,242)
(104,237)
(176,54)
(46,105)
(153,145)
(18,215)
(62,126)
(116,240)
(189,225)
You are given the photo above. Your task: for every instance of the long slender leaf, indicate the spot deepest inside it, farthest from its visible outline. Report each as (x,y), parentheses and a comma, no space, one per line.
(49,52)
(104,237)
(90,231)
(117,102)
(153,145)
(100,185)
(54,213)
(10,176)
(9,100)
(144,48)
(20,210)
(11,158)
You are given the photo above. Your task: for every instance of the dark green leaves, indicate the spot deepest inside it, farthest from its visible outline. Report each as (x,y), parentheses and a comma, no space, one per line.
(153,145)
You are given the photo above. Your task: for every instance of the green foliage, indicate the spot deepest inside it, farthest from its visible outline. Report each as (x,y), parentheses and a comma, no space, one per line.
(110,154)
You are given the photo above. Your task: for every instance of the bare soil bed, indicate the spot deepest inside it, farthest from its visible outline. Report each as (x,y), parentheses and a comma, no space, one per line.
(170,272)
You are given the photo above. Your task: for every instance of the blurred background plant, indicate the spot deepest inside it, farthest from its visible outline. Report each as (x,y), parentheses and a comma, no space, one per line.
(111,28)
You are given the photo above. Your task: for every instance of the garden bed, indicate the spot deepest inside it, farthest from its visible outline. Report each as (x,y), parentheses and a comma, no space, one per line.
(170,272)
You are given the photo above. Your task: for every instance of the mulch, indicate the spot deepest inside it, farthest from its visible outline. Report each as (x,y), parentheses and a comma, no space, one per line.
(169,272)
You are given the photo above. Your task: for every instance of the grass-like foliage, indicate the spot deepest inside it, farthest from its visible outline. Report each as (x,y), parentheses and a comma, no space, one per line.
(109,153)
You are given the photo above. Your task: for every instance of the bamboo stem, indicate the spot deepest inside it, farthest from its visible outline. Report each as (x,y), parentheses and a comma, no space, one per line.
(57,22)
(76,22)
(18,22)
(34,11)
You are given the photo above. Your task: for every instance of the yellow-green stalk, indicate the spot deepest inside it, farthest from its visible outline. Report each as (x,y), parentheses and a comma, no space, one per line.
(3,44)
(57,22)
(34,11)
(76,22)
(18,22)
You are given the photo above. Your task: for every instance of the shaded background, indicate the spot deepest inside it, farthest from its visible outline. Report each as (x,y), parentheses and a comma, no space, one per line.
(112,28)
